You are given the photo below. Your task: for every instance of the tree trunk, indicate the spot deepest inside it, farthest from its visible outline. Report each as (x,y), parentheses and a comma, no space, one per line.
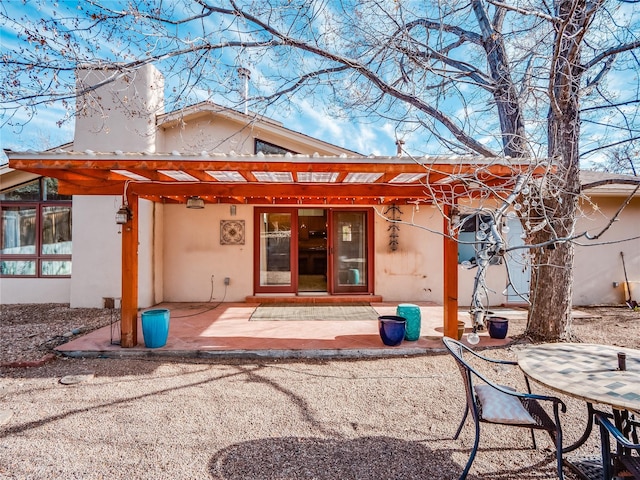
(552,275)
(514,143)
(552,272)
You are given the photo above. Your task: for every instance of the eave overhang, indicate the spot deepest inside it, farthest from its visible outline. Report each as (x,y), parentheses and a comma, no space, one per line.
(259,179)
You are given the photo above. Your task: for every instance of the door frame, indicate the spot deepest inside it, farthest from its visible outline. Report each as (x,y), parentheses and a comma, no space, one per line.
(293,247)
(332,285)
(293,252)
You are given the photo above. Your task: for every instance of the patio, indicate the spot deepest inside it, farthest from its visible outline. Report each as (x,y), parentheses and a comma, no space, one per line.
(210,330)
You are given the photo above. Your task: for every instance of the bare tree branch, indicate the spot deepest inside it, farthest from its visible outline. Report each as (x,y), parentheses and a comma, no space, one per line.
(524,11)
(611,52)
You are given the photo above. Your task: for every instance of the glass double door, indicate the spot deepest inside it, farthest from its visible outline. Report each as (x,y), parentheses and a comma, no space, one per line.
(312,250)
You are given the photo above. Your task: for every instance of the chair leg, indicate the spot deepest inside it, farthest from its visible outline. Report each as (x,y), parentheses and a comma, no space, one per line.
(605,445)
(464,418)
(558,453)
(473,453)
(533,439)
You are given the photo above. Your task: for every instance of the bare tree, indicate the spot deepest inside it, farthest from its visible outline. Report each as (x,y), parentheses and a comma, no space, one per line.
(469,76)
(624,160)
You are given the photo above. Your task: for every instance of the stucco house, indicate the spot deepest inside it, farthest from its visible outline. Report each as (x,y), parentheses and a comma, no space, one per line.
(214,203)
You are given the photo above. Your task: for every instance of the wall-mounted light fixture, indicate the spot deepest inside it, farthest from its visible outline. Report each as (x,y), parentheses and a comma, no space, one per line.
(123,215)
(195,202)
(232,210)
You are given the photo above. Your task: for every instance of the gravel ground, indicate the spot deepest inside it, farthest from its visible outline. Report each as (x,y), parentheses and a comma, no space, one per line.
(368,419)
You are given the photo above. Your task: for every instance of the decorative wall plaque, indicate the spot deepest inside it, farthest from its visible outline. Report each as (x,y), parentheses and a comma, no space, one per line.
(231,232)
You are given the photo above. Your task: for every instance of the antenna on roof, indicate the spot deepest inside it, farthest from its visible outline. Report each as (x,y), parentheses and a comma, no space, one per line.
(245,74)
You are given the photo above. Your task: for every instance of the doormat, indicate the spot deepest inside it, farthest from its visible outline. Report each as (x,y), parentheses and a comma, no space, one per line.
(314,312)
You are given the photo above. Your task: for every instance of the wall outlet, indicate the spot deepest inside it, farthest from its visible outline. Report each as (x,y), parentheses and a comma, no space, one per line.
(227,280)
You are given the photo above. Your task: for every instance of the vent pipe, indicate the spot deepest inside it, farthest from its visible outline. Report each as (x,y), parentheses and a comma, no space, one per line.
(245,75)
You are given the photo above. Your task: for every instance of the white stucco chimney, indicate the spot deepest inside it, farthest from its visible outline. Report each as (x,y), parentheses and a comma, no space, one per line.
(116,109)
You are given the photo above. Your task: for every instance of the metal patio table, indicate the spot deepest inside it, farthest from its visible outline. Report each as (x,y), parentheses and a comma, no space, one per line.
(588,372)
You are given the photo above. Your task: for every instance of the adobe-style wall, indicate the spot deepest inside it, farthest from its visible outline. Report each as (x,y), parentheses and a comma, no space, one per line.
(217,131)
(118,115)
(598,271)
(195,263)
(97,247)
(34,290)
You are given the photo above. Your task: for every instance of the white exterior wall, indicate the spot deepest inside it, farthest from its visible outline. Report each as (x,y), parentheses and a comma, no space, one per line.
(598,263)
(97,250)
(147,296)
(180,250)
(414,272)
(210,133)
(193,254)
(34,290)
(221,133)
(120,115)
(157,274)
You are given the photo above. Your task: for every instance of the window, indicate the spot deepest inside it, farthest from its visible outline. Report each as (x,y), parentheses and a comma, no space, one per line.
(35,230)
(473,231)
(270,149)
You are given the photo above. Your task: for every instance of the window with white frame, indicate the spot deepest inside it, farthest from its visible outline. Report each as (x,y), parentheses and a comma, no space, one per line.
(35,230)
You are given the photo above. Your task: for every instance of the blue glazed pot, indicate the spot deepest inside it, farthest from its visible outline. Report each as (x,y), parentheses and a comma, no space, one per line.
(155,327)
(392,329)
(498,327)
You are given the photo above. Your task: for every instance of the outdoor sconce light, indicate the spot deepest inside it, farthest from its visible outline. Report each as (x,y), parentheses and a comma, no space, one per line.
(232,210)
(123,215)
(195,202)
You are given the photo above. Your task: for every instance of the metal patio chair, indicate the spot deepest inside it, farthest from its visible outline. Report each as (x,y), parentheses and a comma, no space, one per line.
(624,462)
(493,403)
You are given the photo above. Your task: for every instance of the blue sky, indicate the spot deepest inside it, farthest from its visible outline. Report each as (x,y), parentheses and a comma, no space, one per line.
(49,126)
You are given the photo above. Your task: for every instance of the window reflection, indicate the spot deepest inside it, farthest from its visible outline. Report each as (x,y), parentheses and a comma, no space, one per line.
(35,230)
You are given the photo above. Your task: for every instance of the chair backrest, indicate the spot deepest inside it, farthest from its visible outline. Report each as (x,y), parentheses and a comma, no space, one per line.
(456,349)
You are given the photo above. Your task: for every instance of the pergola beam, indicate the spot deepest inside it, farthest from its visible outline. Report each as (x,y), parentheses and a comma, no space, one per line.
(442,180)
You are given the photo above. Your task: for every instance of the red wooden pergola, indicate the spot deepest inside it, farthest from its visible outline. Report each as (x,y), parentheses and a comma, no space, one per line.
(287,179)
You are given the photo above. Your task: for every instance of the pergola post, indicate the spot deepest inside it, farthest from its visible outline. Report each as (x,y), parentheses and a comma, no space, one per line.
(129,305)
(450,270)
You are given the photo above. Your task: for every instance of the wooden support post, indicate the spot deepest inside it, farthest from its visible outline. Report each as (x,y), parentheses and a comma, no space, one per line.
(129,313)
(450,279)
